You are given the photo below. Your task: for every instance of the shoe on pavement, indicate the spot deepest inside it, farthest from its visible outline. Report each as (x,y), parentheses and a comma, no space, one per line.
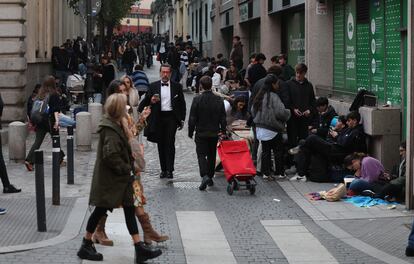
(294,151)
(368,193)
(163,174)
(170,175)
(204,182)
(29,166)
(11,189)
(297,177)
(210,183)
(88,251)
(144,252)
(409,252)
(2,211)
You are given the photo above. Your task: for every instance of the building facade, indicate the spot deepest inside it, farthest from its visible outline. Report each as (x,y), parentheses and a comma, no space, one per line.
(200,25)
(28,31)
(139,18)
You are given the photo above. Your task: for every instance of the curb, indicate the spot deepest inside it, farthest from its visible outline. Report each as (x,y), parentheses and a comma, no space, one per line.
(70,231)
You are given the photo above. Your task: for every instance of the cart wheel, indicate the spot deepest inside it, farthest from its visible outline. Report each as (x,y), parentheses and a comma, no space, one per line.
(252,189)
(230,188)
(236,186)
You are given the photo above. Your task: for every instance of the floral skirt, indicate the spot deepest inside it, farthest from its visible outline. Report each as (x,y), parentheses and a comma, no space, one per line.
(139,198)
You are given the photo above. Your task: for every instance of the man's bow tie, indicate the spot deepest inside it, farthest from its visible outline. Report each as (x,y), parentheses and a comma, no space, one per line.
(164,84)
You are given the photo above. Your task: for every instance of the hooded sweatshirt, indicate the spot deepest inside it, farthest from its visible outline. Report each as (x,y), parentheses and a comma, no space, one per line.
(302,95)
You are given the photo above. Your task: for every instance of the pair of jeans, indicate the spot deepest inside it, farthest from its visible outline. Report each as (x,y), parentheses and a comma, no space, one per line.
(275,145)
(40,136)
(66,121)
(206,148)
(99,212)
(359,185)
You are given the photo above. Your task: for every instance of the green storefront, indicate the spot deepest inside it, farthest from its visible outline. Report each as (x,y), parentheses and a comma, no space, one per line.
(370,48)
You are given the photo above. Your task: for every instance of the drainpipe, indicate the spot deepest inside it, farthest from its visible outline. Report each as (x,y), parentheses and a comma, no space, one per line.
(410,111)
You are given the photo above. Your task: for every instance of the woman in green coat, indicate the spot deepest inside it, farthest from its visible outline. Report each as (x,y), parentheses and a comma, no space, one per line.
(111,183)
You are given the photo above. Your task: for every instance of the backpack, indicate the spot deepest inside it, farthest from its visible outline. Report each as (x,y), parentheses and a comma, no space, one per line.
(360,99)
(40,111)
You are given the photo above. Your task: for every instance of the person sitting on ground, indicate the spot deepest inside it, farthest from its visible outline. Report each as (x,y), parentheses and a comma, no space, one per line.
(337,127)
(322,119)
(352,139)
(140,80)
(396,187)
(367,176)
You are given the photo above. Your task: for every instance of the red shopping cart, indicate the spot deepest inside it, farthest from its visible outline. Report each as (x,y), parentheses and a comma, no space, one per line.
(238,166)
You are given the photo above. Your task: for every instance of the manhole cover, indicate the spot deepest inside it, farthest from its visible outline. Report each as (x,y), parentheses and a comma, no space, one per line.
(185,185)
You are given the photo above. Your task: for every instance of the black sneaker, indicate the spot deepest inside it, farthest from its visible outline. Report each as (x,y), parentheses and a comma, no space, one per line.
(368,193)
(210,183)
(163,174)
(409,252)
(11,189)
(204,182)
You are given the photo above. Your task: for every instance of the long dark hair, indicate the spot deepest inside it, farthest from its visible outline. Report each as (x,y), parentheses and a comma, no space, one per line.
(48,87)
(354,156)
(265,90)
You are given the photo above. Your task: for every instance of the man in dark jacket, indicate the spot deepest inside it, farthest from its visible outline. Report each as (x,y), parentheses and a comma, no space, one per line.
(208,120)
(302,105)
(168,110)
(236,54)
(287,71)
(322,118)
(352,139)
(7,187)
(257,71)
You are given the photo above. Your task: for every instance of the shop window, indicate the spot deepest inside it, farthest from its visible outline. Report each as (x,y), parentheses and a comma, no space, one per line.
(286,3)
(205,19)
(250,9)
(269,5)
(363,11)
(227,18)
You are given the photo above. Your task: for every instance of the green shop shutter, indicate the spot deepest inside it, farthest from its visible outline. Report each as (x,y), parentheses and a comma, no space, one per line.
(350,47)
(339,51)
(393,51)
(363,57)
(377,48)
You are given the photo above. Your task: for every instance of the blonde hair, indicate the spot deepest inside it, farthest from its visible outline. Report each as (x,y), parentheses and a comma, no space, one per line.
(115,106)
(131,86)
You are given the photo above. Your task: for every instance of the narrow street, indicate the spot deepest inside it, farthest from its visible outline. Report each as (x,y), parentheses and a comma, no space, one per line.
(276,225)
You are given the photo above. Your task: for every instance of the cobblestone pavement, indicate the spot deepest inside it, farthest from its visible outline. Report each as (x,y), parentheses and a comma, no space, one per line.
(239,215)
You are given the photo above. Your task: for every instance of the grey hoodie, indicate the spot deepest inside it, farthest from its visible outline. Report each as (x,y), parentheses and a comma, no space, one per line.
(272,116)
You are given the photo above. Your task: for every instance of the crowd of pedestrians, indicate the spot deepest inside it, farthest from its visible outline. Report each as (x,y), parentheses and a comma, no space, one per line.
(293,131)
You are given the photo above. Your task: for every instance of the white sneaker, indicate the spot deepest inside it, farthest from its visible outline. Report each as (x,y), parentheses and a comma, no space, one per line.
(280,177)
(268,177)
(297,177)
(294,151)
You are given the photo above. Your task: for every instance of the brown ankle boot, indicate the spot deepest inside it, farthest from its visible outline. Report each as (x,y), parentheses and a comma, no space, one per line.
(99,236)
(149,233)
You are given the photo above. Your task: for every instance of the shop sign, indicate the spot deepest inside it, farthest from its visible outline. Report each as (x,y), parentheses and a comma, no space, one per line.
(321,9)
(350,47)
(377,47)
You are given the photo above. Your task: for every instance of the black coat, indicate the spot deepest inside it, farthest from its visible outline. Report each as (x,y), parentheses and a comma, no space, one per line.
(322,122)
(152,131)
(207,115)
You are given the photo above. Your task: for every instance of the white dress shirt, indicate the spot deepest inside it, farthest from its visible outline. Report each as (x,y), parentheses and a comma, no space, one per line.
(166,97)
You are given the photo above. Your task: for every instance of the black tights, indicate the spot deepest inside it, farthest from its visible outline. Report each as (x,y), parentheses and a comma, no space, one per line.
(99,212)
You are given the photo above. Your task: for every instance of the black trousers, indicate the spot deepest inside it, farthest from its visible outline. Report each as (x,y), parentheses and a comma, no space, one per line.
(255,145)
(275,145)
(99,212)
(166,143)
(41,132)
(206,148)
(3,170)
(297,129)
(317,145)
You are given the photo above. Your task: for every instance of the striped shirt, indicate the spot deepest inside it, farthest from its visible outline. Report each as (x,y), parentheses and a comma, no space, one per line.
(184,58)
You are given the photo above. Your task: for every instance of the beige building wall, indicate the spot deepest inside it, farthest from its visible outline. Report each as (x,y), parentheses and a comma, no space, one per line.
(319,44)
(180,27)
(28,31)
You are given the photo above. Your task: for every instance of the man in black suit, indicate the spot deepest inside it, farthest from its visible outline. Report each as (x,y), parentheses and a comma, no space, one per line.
(168,110)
